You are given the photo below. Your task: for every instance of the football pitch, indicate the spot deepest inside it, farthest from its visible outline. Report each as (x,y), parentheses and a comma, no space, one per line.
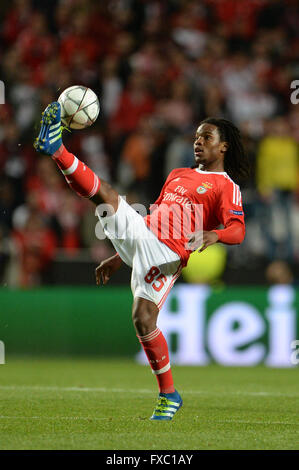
(106,404)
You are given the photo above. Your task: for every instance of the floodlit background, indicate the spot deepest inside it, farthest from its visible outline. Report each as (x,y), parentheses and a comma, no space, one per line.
(158,68)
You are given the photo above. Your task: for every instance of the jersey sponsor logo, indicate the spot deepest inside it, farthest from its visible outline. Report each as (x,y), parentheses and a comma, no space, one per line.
(236,212)
(180,190)
(177,198)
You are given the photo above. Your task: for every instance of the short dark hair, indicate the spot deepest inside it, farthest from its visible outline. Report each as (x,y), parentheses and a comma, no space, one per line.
(236,163)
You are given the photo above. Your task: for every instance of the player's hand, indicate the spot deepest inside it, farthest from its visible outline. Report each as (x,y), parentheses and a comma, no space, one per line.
(107,267)
(201,240)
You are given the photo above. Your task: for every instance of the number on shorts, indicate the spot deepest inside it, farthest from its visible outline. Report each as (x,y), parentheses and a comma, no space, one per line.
(150,276)
(155,274)
(161,280)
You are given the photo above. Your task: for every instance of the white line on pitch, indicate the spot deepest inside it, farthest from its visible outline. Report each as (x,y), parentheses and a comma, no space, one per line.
(54,417)
(95,418)
(50,388)
(240,421)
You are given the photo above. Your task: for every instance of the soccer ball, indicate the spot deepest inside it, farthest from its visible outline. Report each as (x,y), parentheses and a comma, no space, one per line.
(80,107)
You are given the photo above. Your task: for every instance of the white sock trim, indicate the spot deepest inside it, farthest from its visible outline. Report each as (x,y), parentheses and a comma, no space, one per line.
(161,371)
(71,168)
(150,336)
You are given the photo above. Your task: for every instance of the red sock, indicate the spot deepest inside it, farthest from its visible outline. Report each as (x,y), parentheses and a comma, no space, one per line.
(156,350)
(80,178)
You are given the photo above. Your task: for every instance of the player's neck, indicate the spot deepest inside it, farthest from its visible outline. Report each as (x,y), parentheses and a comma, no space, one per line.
(214,166)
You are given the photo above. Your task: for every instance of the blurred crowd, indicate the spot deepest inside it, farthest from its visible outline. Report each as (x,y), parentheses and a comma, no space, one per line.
(158,67)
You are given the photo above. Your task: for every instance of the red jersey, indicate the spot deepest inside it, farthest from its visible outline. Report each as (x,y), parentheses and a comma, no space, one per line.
(191,200)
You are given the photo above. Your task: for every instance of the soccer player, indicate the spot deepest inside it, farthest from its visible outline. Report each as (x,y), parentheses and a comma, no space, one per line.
(192,205)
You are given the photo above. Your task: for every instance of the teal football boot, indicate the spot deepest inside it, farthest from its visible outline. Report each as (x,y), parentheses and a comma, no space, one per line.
(167,406)
(49,139)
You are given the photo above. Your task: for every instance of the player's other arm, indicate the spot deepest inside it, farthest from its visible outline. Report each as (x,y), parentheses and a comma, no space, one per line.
(231,216)
(233,233)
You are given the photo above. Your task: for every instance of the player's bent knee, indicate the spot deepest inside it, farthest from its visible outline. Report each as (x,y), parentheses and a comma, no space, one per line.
(144,317)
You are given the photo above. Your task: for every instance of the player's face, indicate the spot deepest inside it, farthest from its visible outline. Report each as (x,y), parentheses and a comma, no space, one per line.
(208,148)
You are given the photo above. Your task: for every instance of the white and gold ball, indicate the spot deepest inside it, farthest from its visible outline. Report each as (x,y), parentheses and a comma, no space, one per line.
(80,107)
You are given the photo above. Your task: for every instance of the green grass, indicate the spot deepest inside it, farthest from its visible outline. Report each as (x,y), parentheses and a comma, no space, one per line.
(105,404)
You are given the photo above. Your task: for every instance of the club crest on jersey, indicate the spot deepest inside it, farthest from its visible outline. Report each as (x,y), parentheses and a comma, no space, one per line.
(177,179)
(201,190)
(204,187)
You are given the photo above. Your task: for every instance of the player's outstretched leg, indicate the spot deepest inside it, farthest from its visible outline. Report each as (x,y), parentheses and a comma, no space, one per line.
(145,315)
(79,177)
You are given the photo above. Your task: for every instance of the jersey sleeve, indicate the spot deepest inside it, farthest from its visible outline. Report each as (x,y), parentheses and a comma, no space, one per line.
(230,214)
